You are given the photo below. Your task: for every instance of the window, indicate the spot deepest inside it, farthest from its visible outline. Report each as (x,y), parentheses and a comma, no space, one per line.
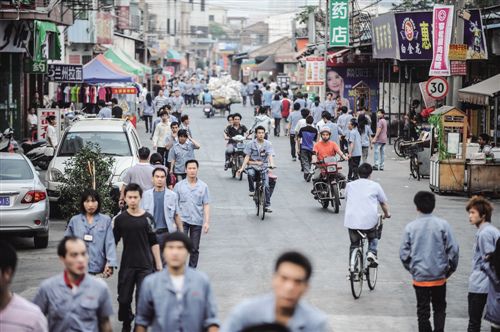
(15,169)
(111,143)
(211,18)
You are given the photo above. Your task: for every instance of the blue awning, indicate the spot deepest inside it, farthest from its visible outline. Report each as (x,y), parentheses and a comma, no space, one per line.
(99,70)
(173,56)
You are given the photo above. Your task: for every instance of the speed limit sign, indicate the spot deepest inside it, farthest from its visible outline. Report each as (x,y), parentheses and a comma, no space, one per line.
(437,87)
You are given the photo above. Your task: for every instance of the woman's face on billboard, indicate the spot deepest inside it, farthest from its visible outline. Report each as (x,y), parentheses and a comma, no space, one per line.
(334,81)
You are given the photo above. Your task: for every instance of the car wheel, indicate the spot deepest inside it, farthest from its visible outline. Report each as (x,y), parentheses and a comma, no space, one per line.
(41,241)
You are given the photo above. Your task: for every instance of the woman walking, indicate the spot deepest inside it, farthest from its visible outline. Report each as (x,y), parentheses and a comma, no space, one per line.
(276,114)
(148,113)
(355,149)
(366,140)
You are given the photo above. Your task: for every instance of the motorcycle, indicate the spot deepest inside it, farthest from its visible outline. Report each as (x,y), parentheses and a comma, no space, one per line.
(41,155)
(8,143)
(208,110)
(327,189)
(237,156)
(30,145)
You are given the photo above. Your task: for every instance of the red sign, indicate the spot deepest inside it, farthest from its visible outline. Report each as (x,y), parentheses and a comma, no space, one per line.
(122,17)
(437,87)
(458,68)
(170,69)
(124,91)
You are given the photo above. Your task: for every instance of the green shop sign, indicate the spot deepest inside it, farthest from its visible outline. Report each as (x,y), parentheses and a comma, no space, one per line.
(35,66)
(338,12)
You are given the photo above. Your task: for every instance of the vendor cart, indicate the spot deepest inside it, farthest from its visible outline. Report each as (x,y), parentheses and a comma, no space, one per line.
(222,105)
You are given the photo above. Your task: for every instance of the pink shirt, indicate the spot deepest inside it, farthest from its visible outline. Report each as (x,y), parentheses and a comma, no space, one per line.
(382,137)
(20,315)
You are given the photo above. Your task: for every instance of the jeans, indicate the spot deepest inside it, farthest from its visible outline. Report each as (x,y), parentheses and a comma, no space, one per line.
(277,126)
(355,238)
(149,123)
(477,302)
(244,100)
(425,296)
(194,232)
(128,279)
(162,152)
(353,167)
(379,155)
(251,176)
(293,145)
(305,159)
(364,154)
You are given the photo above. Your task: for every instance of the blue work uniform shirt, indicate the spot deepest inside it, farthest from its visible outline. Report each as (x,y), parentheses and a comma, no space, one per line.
(78,309)
(366,137)
(355,138)
(317,112)
(268,98)
(181,153)
(293,119)
(160,309)
(101,248)
(105,113)
(169,206)
(259,152)
(262,309)
(191,201)
(484,243)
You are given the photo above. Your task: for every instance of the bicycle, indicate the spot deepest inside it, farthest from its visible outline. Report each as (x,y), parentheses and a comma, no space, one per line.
(411,150)
(359,268)
(259,195)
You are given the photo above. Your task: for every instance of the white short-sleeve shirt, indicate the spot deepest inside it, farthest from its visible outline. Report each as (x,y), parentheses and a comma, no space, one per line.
(363,197)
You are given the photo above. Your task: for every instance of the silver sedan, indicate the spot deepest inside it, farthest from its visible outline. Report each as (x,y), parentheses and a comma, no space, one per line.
(24,204)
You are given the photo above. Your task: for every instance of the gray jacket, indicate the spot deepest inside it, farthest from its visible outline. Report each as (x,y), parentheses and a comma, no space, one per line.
(484,243)
(428,249)
(493,304)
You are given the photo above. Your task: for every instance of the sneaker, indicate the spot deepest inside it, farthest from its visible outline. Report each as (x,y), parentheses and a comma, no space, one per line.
(375,168)
(294,159)
(251,193)
(372,259)
(268,209)
(381,169)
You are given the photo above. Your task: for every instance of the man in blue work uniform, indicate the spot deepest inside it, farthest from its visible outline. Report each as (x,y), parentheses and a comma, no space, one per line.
(74,300)
(194,200)
(179,298)
(181,151)
(163,205)
(258,153)
(268,98)
(284,306)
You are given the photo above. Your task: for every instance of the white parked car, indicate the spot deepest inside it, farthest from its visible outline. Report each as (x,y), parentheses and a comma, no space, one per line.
(116,137)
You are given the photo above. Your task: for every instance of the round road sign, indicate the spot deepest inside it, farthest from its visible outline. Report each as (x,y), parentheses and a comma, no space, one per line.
(437,87)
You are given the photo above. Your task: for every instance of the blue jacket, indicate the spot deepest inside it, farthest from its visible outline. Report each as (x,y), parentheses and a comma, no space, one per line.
(159,308)
(170,206)
(484,243)
(428,249)
(493,304)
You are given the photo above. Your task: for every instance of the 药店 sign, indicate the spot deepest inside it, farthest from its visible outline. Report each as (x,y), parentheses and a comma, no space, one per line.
(338,11)
(442,22)
(315,71)
(65,73)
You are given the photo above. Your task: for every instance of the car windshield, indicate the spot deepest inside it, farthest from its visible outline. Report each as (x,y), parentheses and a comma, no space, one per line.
(15,169)
(111,143)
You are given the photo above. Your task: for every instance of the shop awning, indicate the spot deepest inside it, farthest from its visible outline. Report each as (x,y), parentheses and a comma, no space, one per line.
(173,56)
(480,93)
(100,70)
(289,57)
(267,65)
(127,63)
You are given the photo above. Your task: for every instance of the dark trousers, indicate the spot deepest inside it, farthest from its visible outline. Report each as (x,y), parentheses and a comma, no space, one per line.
(293,145)
(425,296)
(194,233)
(148,119)
(344,144)
(305,159)
(353,167)
(128,279)
(244,100)
(476,307)
(277,126)
(162,152)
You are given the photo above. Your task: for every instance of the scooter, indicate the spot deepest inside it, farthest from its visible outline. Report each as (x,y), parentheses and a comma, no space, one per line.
(208,110)
(41,155)
(30,145)
(8,143)
(327,189)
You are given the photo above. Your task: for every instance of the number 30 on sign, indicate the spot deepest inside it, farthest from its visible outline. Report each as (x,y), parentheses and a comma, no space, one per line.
(437,87)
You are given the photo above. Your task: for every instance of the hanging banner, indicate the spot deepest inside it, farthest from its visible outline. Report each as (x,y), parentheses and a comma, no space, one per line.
(458,52)
(414,35)
(14,36)
(65,73)
(42,114)
(384,37)
(442,22)
(338,11)
(104,28)
(474,36)
(315,71)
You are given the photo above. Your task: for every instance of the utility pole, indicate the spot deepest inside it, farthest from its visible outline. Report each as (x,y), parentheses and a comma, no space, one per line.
(327,43)
(455,82)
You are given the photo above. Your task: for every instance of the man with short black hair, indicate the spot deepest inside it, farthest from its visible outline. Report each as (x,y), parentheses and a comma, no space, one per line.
(141,252)
(292,273)
(16,313)
(379,141)
(235,129)
(52,132)
(116,110)
(74,297)
(139,173)
(179,298)
(343,122)
(429,252)
(104,111)
(185,124)
(180,152)
(307,136)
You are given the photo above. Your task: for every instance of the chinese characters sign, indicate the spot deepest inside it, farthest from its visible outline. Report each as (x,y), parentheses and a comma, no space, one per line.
(104,28)
(458,68)
(35,66)
(124,91)
(384,37)
(14,36)
(414,35)
(315,71)
(474,36)
(442,21)
(65,73)
(458,52)
(42,114)
(339,23)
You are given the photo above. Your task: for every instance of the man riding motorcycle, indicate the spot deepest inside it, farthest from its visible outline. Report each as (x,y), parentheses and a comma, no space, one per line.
(236,129)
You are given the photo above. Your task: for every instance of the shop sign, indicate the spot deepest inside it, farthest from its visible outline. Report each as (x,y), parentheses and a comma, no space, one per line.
(339,23)
(14,36)
(350,59)
(122,19)
(384,37)
(442,22)
(458,52)
(414,31)
(315,71)
(35,66)
(104,28)
(283,80)
(123,91)
(170,69)
(458,68)
(42,114)
(474,36)
(65,73)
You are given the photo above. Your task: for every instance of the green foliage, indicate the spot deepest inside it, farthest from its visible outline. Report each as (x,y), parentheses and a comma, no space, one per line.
(216,30)
(435,121)
(77,178)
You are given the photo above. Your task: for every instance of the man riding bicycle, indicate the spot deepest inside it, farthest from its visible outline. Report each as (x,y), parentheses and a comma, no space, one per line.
(259,154)
(361,214)
(236,129)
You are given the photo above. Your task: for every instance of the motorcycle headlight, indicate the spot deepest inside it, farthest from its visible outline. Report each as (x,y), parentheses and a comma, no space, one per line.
(331,168)
(55,174)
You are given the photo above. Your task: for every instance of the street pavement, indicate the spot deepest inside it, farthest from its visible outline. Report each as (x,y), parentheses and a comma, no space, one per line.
(239,251)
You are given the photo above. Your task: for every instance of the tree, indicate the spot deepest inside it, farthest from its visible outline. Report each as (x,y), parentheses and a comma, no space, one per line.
(88,168)
(216,30)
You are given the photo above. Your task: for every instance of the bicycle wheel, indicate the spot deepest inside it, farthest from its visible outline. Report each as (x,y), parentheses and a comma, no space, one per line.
(397,146)
(414,167)
(356,273)
(371,277)
(262,200)
(257,199)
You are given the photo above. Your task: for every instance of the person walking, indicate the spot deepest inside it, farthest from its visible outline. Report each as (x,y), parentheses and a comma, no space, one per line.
(52,132)
(343,123)
(140,173)
(355,149)
(16,313)
(170,140)
(317,110)
(268,98)
(177,103)
(330,105)
(161,131)
(149,110)
(262,120)
(293,119)
(276,114)
(380,140)
(74,298)
(167,300)
(307,136)
(430,253)
(292,272)
(141,252)
(181,151)
(194,199)
(96,230)
(480,211)
(491,268)
(365,131)
(244,93)
(286,105)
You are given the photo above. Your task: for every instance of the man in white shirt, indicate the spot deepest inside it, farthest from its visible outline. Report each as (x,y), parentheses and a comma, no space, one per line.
(52,138)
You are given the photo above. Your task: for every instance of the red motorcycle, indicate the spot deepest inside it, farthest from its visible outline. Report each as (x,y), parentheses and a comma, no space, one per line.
(327,188)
